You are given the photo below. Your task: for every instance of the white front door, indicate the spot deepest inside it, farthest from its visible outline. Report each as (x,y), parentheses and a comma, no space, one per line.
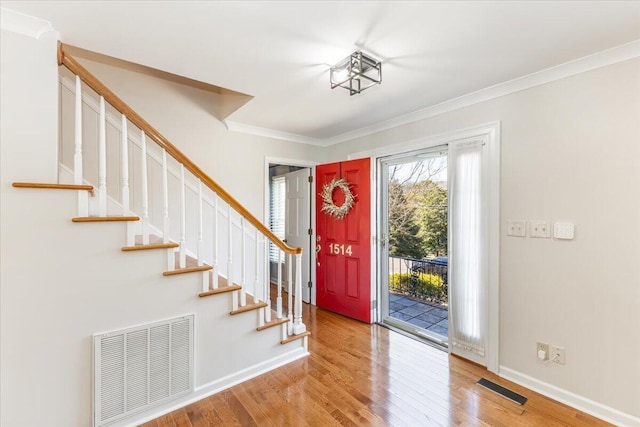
(298,221)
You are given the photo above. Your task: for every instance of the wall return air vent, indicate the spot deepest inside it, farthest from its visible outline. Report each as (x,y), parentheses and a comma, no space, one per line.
(141,367)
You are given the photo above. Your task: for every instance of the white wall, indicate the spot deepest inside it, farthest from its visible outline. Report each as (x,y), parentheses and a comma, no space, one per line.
(570,151)
(62,282)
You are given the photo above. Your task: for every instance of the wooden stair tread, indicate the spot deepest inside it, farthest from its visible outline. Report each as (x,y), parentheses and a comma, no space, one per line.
(52,186)
(155,242)
(274,322)
(190,266)
(105,218)
(295,337)
(251,305)
(220,290)
(204,267)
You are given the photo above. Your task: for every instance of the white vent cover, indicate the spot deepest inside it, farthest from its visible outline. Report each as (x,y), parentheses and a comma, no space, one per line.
(141,367)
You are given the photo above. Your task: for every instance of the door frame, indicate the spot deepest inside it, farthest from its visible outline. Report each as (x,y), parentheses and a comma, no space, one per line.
(266,200)
(490,133)
(383,229)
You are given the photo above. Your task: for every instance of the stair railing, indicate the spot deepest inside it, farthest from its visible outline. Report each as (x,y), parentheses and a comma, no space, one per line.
(227,212)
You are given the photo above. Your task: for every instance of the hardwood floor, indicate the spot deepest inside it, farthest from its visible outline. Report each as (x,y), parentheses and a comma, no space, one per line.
(362,375)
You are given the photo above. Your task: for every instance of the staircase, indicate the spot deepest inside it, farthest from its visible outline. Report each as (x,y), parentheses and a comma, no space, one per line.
(168,205)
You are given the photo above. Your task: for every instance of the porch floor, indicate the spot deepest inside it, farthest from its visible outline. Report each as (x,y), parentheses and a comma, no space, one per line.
(427,315)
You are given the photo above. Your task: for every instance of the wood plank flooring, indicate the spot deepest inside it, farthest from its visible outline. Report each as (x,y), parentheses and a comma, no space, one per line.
(362,375)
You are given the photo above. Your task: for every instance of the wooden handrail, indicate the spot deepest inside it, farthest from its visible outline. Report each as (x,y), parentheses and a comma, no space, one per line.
(102,90)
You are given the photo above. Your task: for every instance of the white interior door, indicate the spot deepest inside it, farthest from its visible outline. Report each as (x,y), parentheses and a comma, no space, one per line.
(298,220)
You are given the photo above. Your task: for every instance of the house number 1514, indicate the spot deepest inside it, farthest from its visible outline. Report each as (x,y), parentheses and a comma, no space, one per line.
(338,249)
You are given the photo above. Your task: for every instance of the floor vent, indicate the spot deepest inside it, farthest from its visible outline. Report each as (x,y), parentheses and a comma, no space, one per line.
(502,391)
(141,367)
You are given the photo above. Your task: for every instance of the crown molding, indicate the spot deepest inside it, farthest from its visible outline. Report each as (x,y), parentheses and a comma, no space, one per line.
(604,58)
(271,133)
(597,60)
(24,24)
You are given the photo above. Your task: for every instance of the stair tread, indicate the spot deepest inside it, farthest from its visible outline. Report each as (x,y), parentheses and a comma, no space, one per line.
(251,305)
(54,186)
(220,290)
(155,242)
(274,322)
(105,218)
(295,337)
(204,267)
(190,266)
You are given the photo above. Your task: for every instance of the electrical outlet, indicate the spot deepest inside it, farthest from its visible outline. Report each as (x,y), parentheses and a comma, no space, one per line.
(516,228)
(542,351)
(557,354)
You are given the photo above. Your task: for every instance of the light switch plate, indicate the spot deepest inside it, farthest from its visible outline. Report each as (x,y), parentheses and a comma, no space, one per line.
(517,228)
(564,230)
(539,229)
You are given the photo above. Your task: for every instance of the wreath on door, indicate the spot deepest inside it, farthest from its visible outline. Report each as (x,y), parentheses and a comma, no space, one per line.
(329,206)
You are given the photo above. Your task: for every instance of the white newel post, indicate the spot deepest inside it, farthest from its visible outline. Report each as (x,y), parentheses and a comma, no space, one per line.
(83,196)
(267,281)
(215,242)
(102,160)
(298,326)
(279,297)
(290,294)
(183,219)
(145,190)
(171,260)
(243,265)
(126,209)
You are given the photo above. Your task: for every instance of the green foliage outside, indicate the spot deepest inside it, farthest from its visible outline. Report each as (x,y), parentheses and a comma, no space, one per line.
(417,219)
(404,230)
(425,286)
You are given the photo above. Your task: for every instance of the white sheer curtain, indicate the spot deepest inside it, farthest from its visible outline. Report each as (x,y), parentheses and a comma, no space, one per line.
(467,252)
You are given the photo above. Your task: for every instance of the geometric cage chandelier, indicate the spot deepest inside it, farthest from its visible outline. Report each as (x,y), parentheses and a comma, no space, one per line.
(356,73)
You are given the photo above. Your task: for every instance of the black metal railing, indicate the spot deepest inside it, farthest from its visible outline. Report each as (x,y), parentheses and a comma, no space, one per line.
(425,279)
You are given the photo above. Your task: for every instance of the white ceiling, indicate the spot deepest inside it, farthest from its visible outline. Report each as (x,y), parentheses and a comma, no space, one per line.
(280,52)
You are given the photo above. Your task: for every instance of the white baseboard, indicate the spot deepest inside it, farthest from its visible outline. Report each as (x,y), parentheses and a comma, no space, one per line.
(581,403)
(223,383)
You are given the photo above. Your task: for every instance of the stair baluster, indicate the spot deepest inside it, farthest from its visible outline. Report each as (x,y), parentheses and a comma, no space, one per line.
(267,282)
(183,219)
(279,297)
(78,175)
(214,277)
(102,160)
(234,302)
(145,190)
(289,293)
(126,209)
(200,226)
(171,260)
(243,264)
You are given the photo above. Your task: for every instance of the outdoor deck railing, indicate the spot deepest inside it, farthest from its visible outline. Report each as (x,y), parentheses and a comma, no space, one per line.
(419,278)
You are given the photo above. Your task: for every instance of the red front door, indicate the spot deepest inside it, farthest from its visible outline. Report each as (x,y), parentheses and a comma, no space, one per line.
(343,246)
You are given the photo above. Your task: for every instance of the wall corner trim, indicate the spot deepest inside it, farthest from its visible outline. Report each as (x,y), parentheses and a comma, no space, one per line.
(576,401)
(21,23)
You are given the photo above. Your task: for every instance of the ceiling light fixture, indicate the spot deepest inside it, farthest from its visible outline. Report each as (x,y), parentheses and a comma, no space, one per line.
(356,73)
